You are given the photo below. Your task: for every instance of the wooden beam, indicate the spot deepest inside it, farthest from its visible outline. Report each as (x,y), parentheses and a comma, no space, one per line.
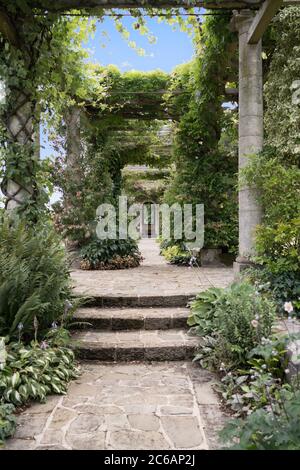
(262,20)
(66,5)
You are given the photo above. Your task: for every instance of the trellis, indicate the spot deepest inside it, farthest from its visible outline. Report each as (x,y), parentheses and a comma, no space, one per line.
(250,19)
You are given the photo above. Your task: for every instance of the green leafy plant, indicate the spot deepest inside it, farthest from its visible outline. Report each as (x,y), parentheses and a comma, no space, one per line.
(7,421)
(231,323)
(265,429)
(283,287)
(34,277)
(175,255)
(203,311)
(35,371)
(262,379)
(110,254)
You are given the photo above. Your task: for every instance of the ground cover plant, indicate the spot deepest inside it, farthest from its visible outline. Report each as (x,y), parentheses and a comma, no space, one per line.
(110,254)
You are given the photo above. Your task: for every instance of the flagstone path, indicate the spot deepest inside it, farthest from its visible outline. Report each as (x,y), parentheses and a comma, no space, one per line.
(138,388)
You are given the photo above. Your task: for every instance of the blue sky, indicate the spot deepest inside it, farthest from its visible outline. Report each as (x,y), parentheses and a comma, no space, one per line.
(172,47)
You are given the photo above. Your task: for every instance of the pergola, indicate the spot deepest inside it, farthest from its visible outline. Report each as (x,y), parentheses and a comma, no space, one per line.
(250,19)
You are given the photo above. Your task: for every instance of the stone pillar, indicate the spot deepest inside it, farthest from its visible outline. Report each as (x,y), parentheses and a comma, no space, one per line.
(73,140)
(20,134)
(250,132)
(73,171)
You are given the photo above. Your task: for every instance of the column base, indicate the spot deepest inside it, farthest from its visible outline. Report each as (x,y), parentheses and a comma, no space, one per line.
(241,264)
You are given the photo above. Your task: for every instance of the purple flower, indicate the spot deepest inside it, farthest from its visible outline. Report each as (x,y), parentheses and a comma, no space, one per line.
(44,345)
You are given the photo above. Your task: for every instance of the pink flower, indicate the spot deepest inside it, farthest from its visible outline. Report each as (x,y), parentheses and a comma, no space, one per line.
(254,323)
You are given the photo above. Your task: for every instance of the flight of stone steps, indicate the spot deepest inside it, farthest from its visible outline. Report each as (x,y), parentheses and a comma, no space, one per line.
(134,329)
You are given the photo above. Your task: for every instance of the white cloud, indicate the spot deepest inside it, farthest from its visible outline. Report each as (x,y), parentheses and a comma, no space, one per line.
(125,64)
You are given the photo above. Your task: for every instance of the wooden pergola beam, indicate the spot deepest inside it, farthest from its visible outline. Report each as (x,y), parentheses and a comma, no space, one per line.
(65,5)
(262,20)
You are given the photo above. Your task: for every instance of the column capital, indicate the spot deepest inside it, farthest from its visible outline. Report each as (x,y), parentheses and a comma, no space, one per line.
(241,20)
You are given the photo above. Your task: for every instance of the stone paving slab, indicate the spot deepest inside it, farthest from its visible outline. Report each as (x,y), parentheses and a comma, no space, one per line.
(148,282)
(132,318)
(127,406)
(135,345)
(154,278)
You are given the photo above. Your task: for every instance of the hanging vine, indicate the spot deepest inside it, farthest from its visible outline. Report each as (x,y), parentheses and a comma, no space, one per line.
(205,171)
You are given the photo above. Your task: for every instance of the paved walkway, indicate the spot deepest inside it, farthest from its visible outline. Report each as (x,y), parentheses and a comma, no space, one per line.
(128,406)
(154,277)
(133,405)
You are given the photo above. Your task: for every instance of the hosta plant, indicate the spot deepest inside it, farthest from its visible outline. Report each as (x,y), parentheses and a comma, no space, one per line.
(35,371)
(7,421)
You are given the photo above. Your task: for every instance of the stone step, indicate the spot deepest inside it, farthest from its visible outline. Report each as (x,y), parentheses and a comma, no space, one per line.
(141,345)
(132,318)
(139,301)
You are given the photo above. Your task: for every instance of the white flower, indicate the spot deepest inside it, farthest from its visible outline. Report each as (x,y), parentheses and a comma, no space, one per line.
(288,307)
(254,323)
(287,371)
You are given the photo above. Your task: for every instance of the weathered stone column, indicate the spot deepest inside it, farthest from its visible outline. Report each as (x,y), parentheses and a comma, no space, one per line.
(73,171)
(73,144)
(21,134)
(250,132)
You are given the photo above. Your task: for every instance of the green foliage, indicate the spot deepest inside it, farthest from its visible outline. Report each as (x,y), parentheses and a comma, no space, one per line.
(34,278)
(278,238)
(261,381)
(203,311)
(265,429)
(141,187)
(231,322)
(110,254)
(284,287)
(205,172)
(173,254)
(85,186)
(35,371)
(282,116)
(7,421)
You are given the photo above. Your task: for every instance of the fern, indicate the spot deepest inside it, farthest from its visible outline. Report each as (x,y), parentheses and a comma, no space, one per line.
(34,277)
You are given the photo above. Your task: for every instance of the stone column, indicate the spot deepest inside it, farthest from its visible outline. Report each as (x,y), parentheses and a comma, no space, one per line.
(73,139)
(250,132)
(20,134)
(73,171)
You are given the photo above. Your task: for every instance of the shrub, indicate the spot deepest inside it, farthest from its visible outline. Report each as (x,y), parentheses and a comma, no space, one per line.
(34,277)
(262,379)
(110,254)
(7,421)
(278,238)
(284,287)
(275,429)
(175,255)
(175,252)
(232,322)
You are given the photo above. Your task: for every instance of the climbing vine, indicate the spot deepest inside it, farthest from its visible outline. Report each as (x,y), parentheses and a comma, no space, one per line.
(205,172)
